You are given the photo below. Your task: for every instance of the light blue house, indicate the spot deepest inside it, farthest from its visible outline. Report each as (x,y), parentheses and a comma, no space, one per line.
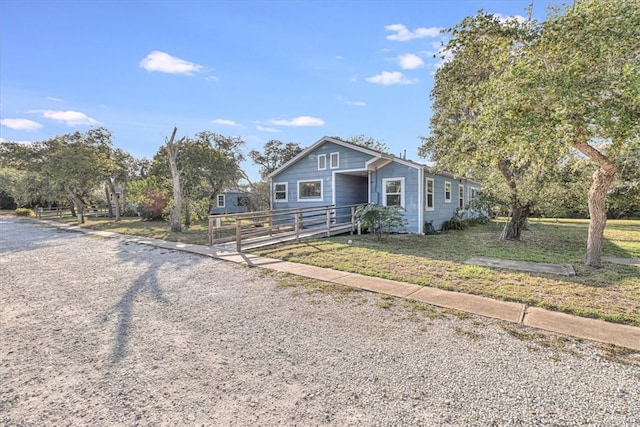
(339,173)
(232,200)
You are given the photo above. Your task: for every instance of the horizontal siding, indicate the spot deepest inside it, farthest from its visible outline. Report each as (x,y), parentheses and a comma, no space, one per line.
(306,168)
(410,175)
(444,211)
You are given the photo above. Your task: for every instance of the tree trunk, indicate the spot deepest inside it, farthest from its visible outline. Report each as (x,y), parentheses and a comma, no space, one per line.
(72,207)
(79,204)
(107,193)
(116,199)
(172,154)
(602,179)
(517,223)
(187,213)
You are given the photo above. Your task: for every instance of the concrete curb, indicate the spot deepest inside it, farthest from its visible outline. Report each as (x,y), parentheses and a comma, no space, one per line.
(562,323)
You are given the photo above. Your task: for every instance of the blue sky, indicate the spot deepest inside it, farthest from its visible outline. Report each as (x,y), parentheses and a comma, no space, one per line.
(288,70)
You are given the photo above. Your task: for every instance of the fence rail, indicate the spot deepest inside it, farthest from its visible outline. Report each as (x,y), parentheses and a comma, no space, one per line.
(253,229)
(62,211)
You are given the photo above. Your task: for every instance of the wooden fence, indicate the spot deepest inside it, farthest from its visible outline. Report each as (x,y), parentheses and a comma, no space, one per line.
(254,229)
(62,211)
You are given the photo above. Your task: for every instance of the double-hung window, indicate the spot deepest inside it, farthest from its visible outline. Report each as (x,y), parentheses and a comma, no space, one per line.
(220,201)
(447,192)
(461,196)
(393,191)
(334,162)
(310,190)
(428,195)
(280,191)
(322,162)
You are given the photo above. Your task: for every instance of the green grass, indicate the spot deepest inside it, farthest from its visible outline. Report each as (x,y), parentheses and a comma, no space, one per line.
(611,293)
(196,234)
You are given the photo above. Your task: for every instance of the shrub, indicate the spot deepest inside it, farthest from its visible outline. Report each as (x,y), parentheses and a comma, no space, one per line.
(24,212)
(380,220)
(153,203)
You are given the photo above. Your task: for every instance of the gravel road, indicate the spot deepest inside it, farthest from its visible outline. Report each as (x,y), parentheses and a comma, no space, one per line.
(101,331)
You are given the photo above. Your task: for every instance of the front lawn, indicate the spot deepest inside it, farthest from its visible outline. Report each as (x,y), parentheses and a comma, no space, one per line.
(611,293)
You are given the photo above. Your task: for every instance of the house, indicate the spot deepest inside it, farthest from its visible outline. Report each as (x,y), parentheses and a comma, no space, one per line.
(339,173)
(232,200)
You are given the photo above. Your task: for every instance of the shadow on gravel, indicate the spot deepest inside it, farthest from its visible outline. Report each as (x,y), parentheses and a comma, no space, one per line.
(38,237)
(146,283)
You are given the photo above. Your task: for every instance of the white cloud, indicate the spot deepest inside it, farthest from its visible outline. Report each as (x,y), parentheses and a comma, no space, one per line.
(350,102)
(402,33)
(388,78)
(165,63)
(70,118)
(51,98)
(21,124)
(503,19)
(299,121)
(266,129)
(2,140)
(410,61)
(225,122)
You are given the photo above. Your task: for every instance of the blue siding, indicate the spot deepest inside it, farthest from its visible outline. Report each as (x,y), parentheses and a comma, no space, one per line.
(306,169)
(411,194)
(351,189)
(232,204)
(444,211)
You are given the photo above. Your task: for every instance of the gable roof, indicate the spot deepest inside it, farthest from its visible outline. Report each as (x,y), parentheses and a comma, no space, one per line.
(377,155)
(356,147)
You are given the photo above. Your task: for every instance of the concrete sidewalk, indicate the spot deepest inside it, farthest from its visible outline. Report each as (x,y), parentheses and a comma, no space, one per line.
(580,327)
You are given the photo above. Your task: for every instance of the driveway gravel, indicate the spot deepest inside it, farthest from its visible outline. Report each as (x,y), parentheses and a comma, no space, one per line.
(102,331)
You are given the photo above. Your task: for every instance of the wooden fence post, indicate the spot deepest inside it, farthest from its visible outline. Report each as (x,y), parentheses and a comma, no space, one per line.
(328,214)
(298,218)
(210,239)
(353,219)
(238,235)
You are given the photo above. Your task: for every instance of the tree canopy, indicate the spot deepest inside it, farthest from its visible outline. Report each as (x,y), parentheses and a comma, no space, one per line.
(517,99)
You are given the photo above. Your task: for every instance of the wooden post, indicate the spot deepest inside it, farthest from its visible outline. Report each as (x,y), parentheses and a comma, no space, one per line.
(238,235)
(298,218)
(270,216)
(210,237)
(328,214)
(353,219)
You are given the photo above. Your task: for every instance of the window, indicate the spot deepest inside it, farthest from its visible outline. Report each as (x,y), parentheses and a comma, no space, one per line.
(322,162)
(220,201)
(335,160)
(428,199)
(461,196)
(393,191)
(310,190)
(474,194)
(447,192)
(280,192)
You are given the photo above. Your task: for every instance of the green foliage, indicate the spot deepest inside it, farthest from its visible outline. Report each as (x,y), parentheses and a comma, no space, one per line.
(275,153)
(148,198)
(25,212)
(380,220)
(368,142)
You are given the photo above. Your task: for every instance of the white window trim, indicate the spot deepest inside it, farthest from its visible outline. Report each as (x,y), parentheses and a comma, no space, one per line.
(461,195)
(218,205)
(384,190)
(337,156)
(286,192)
(445,191)
(324,158)
(433,194)
(307,199)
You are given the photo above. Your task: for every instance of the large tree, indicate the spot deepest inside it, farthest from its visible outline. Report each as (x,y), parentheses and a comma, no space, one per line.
(478,126)
(585,69)
(528,94)
(206,165)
